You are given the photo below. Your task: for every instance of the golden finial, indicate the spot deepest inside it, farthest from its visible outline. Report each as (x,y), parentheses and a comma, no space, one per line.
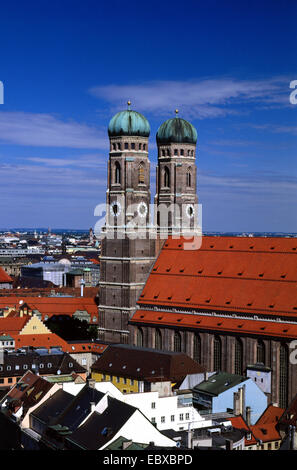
(129,103)
(176,112)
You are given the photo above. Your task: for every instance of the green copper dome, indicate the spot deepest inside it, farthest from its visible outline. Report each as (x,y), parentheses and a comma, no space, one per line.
(176,130)
(129,123)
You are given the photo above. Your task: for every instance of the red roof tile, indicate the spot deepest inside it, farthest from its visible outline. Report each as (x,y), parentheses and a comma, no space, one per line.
(209,322)
(254,275)
(4,277)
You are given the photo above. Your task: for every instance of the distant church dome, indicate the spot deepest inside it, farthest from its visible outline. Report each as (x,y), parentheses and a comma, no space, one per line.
(129,123)
(176,130)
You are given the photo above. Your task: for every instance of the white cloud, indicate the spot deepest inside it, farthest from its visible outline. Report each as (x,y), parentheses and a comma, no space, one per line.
(45,130)
(196,98)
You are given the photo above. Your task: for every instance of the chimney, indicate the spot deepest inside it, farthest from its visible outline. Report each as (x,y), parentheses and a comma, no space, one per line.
(229,444)
(82,284)
(248,415)
(205,375)
(92,383)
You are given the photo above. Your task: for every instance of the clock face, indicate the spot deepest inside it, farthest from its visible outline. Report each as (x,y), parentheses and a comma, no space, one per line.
(115,208)
(190,211)
(142,209)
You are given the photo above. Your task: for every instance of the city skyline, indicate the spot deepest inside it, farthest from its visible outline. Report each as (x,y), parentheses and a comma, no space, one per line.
(66,72)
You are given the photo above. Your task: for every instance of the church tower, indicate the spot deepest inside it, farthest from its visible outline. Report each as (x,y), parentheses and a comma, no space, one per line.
(176,193)
(127,250)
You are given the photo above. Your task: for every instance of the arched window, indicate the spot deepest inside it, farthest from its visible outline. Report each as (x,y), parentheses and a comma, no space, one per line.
(189,178)
(197,348)
(139,337)
(260,352)
(238,357)
(283,376)
(217,354)
(117,176)
(177,342)
(141,174)
(166,177)
(158,339)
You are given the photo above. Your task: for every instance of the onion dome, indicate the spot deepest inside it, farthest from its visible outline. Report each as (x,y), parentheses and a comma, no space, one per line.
(129,123)
(176,130)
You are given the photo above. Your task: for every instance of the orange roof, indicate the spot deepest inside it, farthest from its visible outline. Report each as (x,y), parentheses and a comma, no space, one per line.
(88,346)
(253,275)
(209,322)
(4,277)
(270,415)
(40,340)
(13,326)
(52,305)
(239,423)
(266,432)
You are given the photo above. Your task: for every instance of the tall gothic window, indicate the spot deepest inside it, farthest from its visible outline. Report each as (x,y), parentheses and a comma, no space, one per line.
(189,177)
(139,337)
(260,351)
(141,174)
(177,342)
(217,354)
(166,177)
(117,175)
(283,376)
(197,348)
(158,339)
(238,357)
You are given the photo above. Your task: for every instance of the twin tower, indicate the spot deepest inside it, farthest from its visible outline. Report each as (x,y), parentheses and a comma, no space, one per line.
(130,242)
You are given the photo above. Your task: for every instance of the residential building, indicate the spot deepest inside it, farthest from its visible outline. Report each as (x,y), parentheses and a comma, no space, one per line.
(134,369)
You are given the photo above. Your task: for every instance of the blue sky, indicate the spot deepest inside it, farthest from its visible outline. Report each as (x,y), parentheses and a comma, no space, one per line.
(68,66)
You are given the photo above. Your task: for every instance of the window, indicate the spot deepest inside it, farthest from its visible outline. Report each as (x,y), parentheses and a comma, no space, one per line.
(153,420)
(1,381)
(124,380)
(114,146)
(119,146)
(126,145)
(25,366)
(158,339)
(238,357)
(139,337)
(132,381)
(139,146)
(283,376)
(118,380)
(41,366)
(17,367)
(177,342)
(172,418)
(83,362)
(70,364)
(117,178)
(144,146)
(175,152)
(10,380)
(260,352)
(163,153)
(162,419)
(182,152)
(181,417)
(49,365)
(133,146)
(166,177)
(187,415)
(197,348)
(141,174)
(189,177)
(153,405)
(217,354)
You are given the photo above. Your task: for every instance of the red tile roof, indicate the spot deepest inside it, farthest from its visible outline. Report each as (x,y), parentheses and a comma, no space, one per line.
(209,322)
(53,305)
(4,277)
(266,432)
(40,341)
(12,326)
(239,423)
(270,415)
(253,275)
